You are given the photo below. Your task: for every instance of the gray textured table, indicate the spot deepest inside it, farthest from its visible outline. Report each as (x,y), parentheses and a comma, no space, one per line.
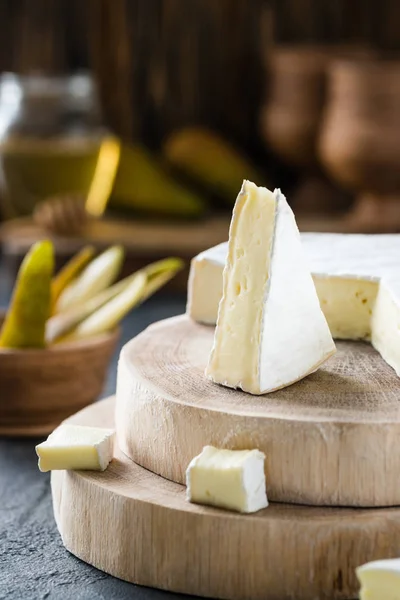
(34,565)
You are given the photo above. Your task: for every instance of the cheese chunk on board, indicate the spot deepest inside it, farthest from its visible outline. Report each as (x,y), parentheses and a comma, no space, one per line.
(380,580)
(231,479)
(270,329)
(76,447)
(357,278)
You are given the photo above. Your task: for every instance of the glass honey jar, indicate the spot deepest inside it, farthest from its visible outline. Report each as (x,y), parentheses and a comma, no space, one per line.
(50,135)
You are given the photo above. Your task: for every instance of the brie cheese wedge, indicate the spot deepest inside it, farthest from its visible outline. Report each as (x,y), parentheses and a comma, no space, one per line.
(380,580)
(76,447)
(270,329)
(357,278)
(231,479)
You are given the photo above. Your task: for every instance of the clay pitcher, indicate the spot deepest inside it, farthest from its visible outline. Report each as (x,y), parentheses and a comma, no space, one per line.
(360,139)
(295,100)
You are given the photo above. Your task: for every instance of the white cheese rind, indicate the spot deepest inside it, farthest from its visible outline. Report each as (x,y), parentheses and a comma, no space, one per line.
(295,337)
(380,580)
(76,447)
(357,278)
(230,479)
(269,302)
(385,327)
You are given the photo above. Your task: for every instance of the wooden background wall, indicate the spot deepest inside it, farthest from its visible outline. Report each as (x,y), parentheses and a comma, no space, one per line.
(375,22)
(165,63)
(45,35)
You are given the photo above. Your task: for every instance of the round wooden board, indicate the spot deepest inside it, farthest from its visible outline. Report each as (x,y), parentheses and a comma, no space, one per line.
(139,527)
(331,439)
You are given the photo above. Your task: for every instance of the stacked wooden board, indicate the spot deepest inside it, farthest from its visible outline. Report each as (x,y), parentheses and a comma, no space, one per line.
(330,440)
(138,526)
(333,455)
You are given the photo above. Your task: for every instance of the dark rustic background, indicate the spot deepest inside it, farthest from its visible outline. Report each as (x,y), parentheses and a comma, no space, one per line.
(162,65)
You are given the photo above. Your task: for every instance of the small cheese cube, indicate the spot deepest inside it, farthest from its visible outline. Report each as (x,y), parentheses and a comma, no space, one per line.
(76,447)
(380,580)
(232,479)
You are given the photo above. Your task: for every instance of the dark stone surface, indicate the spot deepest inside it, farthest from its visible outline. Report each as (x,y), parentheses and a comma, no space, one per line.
(34,565)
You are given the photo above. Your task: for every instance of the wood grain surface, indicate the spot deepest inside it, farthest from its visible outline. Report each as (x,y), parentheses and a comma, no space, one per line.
(330,439)
(139,527)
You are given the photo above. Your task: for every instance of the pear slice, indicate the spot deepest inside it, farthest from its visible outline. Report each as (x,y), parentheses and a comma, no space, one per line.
(110,314)
(61,323)
(170,265)
(97,276)
(143,185)
(69,272)
(157,281)
(209,160)
(157,274)
(24,325)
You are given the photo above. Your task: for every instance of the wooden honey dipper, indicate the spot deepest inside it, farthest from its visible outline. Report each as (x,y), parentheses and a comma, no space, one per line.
(68,213)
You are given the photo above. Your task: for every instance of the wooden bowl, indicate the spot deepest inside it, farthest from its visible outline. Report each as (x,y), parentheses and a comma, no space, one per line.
(41,388)
(360,139)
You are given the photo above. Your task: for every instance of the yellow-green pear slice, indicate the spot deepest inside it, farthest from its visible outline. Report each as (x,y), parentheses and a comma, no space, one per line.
(156,282)
(157,273)
(61,323)
(110,314)
(209,159)
(171,264)
(25,322)
(69,272)
(143,185)
(97,276)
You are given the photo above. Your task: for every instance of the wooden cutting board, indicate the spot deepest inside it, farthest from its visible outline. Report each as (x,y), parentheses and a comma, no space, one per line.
(139,527)
(331,439)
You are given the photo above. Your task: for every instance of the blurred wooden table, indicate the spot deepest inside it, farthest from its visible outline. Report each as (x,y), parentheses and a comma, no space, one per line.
(144,241)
